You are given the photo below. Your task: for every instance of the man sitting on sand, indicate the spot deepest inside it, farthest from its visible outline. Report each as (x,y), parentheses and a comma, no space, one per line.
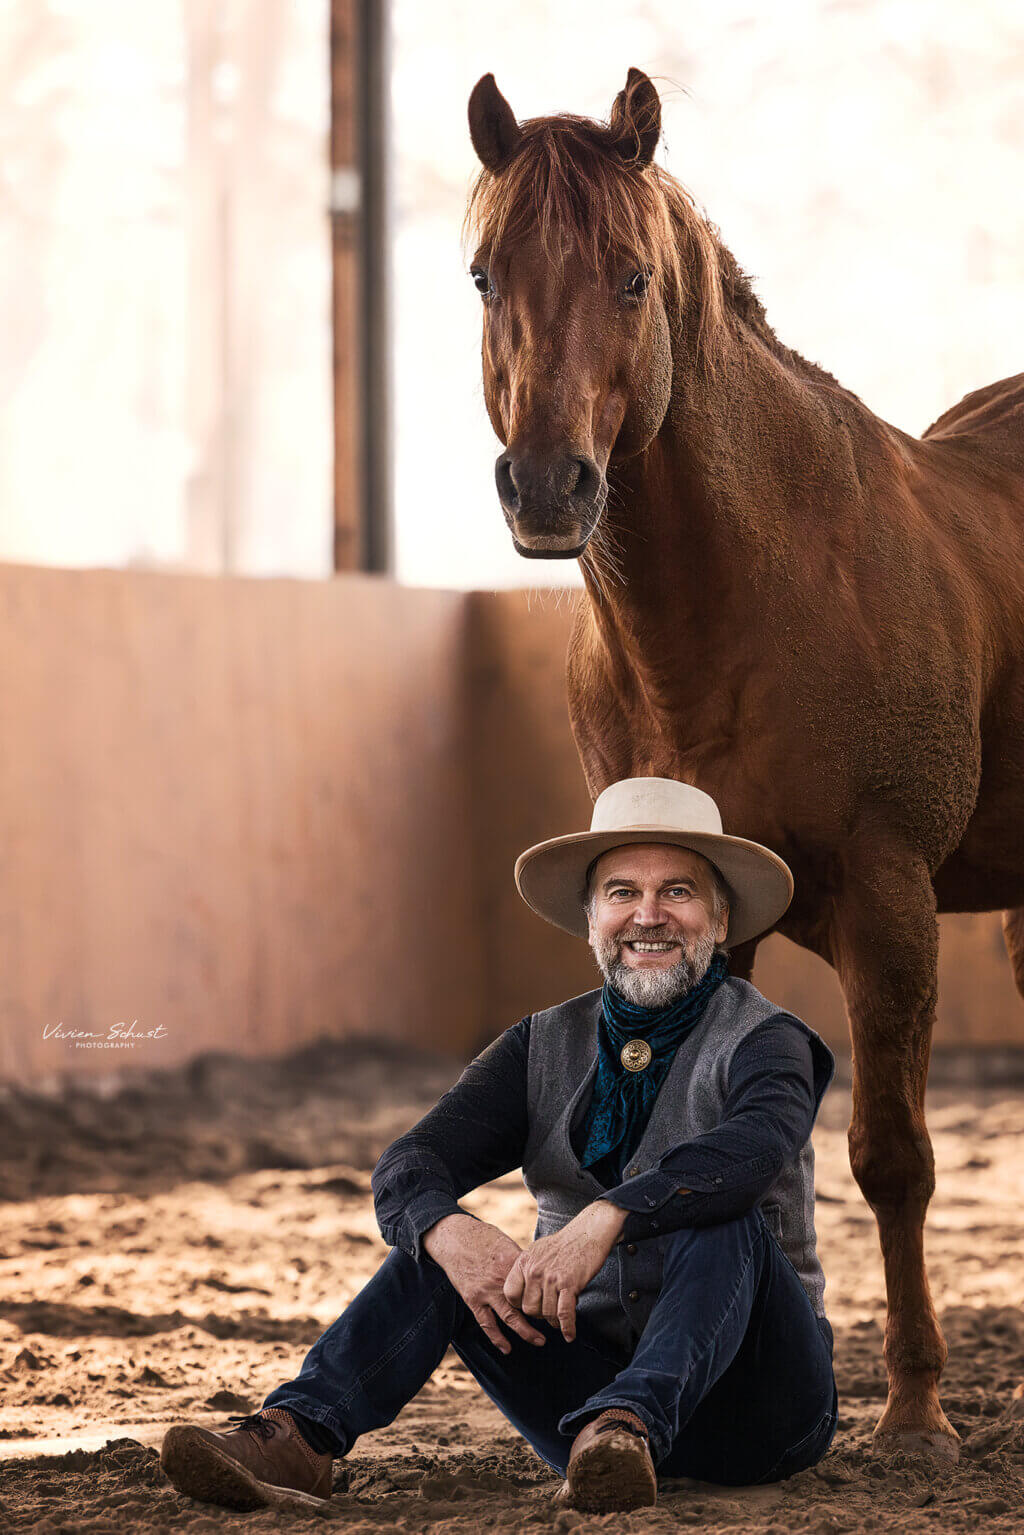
(668,1317)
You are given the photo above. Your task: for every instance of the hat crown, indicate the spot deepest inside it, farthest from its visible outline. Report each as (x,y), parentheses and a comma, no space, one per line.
(656,803)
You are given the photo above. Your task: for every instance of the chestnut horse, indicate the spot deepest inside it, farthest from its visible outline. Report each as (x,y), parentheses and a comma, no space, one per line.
(813,616)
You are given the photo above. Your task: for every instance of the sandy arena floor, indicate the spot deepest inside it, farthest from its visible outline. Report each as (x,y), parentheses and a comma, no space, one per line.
(189,1236)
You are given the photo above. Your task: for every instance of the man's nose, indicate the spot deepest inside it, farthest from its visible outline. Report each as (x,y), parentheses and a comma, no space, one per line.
(650,912)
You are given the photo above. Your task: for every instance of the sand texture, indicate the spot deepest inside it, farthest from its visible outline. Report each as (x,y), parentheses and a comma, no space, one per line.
(170,1246)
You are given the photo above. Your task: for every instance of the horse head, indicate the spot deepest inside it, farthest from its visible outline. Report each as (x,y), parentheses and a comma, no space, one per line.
(576,261)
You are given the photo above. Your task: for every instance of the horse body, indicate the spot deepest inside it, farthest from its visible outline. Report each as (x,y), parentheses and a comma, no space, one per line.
(978,446)
(848,663)
(814,617)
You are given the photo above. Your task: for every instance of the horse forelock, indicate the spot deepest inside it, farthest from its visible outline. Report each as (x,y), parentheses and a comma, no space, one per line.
(568,186)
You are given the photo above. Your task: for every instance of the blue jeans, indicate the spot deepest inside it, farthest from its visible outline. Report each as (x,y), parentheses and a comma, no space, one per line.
(732,1374)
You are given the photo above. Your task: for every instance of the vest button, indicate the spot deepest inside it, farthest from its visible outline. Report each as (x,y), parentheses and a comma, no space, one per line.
(634,1294)
(631,1249)
(633,1172)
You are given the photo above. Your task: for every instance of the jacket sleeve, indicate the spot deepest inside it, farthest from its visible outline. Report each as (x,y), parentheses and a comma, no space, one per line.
(476,1132)
(768,1115)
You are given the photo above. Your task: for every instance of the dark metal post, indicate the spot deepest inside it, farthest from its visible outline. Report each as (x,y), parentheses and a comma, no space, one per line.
(359,250)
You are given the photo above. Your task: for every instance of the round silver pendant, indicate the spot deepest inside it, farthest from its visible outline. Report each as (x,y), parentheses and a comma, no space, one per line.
(636,1055)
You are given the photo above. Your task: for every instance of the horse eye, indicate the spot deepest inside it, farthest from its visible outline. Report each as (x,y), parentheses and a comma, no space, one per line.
(481,279)
(637,285)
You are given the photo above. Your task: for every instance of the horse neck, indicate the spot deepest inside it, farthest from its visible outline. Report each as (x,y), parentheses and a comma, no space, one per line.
(713,522)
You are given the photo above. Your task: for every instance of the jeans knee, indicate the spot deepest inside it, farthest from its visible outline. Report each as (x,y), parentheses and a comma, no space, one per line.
(749,1224)
(409,1278)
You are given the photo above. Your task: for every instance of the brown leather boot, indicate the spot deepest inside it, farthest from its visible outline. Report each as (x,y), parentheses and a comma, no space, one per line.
(610,1467)
(263,1461)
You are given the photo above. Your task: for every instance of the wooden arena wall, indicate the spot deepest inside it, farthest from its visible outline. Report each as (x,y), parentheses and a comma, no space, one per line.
(247,813)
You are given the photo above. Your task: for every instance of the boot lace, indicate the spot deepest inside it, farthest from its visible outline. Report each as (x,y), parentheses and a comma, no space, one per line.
(631,1425)
(255,1423)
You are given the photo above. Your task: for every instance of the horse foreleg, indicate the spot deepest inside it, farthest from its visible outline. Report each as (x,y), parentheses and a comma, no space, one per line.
(1013,933)
(885,948)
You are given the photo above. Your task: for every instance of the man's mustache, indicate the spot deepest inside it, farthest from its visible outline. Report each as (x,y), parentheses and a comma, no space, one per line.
(652,935)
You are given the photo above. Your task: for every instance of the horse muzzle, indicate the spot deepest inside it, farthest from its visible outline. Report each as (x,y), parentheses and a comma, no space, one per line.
(551,505)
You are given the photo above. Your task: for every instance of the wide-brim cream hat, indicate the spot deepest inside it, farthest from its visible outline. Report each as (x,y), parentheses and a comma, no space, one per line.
(551,876)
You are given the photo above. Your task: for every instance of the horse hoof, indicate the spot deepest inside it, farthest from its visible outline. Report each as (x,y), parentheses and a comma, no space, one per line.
(923,1444)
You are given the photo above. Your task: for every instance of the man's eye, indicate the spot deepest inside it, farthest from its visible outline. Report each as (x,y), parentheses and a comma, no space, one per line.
(482,281)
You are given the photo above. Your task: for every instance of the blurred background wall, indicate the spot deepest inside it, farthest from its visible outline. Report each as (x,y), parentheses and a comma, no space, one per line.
(240,343)
(248,813)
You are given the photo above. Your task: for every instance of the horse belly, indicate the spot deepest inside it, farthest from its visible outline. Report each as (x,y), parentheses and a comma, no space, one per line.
(986,870)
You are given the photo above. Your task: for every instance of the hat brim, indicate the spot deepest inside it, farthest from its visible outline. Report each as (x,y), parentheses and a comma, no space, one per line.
(551,876)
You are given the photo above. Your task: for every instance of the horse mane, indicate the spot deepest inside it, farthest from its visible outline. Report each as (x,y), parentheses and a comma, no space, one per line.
(567,183)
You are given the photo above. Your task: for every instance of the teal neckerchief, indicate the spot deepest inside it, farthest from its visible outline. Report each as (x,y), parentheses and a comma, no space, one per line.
(621,1102)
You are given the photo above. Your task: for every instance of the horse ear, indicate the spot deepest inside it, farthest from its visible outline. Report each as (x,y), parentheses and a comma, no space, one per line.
(635,121)
(492,124)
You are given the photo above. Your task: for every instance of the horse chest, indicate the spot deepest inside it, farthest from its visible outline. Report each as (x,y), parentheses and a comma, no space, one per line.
(721,731)
(768,730)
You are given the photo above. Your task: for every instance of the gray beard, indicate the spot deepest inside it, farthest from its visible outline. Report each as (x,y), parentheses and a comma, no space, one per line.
(654,988)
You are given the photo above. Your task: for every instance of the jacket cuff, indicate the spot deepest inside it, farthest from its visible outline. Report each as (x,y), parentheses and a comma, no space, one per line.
(420,1214)
(649,1191)
(641,1228)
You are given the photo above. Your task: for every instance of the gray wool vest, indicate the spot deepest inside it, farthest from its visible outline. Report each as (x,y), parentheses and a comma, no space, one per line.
(562,1066)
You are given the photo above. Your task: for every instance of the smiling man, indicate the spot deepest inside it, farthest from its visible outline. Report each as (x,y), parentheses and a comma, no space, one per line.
(668,1317)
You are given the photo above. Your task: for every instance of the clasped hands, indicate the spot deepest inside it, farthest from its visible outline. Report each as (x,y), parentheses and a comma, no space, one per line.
(504,1283)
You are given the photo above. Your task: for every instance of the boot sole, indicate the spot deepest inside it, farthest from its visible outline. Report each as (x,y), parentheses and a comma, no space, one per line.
(198,1469)
(610,1478)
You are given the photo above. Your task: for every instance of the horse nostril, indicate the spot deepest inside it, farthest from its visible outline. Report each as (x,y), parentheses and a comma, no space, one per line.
(507,493)
(588,480)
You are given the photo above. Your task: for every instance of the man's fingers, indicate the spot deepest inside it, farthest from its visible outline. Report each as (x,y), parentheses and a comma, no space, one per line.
(518,1323)
(489,1325)
(533,1298)
(550,1306)
(567,1314)
(513,1287)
